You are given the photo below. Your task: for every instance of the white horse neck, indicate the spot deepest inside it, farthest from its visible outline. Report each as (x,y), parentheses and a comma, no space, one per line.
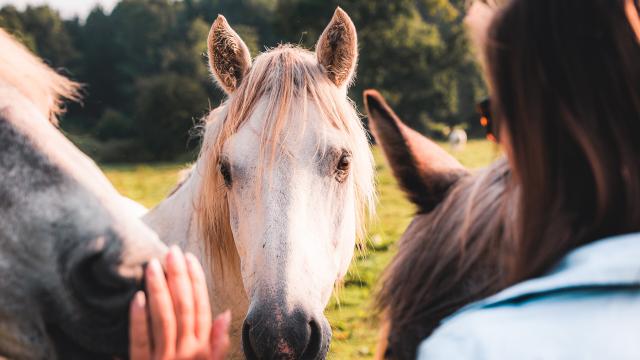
(173,219)
(175,223)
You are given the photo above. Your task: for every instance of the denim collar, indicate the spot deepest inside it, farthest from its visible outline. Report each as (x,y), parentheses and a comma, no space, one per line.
(608,264)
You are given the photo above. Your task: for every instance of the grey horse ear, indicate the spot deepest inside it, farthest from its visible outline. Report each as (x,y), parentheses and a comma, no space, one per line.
(424,170)
(337,49)
(229,57)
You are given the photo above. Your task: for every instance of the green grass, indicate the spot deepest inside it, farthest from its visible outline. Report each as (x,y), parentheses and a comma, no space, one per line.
(147,184)
(355,326)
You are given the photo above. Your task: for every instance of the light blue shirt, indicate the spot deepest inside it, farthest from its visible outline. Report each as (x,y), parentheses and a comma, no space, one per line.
(588,307)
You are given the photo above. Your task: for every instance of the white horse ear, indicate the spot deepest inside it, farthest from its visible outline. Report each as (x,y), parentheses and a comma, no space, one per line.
(229,57)
(337,48)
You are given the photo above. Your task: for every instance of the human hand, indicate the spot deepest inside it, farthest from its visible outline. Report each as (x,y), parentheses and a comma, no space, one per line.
(174,322)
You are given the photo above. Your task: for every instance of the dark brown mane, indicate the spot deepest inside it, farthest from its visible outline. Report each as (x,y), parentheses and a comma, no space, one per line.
(455,250)
(446,259)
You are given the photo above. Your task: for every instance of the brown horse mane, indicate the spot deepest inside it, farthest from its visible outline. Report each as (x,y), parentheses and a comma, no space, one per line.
(446,259)
(453,252)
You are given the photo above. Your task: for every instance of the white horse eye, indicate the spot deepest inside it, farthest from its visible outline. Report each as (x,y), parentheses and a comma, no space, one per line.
(225,171)
(342,169)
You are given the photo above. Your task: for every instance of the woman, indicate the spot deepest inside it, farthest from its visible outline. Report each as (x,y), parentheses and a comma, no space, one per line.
(175,321)
(564,78)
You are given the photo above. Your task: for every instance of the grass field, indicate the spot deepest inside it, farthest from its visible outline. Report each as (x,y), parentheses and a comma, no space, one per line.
(354,324)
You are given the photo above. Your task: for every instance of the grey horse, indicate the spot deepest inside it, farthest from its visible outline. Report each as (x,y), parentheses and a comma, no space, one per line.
(71,254)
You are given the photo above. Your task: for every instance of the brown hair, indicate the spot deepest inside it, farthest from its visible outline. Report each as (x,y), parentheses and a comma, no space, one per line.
(447,256)
(565,86)
(446,259)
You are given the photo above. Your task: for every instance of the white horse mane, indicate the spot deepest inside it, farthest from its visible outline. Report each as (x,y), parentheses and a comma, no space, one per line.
(22,70)
(286,78)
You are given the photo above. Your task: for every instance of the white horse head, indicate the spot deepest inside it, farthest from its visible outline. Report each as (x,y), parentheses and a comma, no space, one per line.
(287,181)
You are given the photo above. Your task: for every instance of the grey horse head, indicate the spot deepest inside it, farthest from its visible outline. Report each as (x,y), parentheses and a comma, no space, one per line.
(71,255)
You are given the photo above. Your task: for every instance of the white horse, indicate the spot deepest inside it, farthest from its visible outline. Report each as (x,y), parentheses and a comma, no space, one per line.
(457,139)
(280,191)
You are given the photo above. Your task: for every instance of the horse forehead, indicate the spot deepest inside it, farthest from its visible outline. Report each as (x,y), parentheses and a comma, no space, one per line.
(303,137)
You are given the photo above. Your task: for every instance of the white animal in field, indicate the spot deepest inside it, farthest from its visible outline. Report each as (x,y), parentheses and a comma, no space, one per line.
(457,139)
(278,196)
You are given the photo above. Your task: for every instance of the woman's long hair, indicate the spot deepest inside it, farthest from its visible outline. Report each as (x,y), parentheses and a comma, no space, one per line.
(564,76)
(565,84)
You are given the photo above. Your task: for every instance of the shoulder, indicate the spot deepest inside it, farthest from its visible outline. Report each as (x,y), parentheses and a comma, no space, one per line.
(587,307)
(472,334)
(552,326)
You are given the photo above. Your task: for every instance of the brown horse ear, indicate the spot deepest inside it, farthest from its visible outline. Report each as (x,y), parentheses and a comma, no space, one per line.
(424,170)
(229,57)
(337,49)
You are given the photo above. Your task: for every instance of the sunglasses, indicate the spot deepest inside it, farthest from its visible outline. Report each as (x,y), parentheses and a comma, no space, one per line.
(486,120)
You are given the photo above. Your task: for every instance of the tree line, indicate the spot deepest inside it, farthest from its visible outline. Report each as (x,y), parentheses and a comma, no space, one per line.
(145,72)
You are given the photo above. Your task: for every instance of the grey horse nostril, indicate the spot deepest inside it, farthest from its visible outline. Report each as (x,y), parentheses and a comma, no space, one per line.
(98,285)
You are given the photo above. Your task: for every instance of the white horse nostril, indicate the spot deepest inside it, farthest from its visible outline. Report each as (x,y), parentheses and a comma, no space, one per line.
(294,336)
(314,345)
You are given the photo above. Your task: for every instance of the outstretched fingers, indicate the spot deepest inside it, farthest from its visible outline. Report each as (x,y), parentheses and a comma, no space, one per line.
(163,319)
(179,281)
(220,336)
(173,319)
(200,297)
(140,341)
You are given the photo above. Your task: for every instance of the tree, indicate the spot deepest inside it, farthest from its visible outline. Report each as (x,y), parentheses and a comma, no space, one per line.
(11,20)
(53,42)
(167,108)
(144,64)
(414,51)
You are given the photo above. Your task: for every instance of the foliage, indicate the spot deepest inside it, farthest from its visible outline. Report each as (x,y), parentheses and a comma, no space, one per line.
(415,51)
(355,327)
(165,104)
(113,125)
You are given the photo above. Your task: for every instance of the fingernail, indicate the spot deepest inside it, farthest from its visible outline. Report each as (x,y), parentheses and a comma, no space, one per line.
(140,300)
(174,254)
(226,316)
(191,259)
(153,268)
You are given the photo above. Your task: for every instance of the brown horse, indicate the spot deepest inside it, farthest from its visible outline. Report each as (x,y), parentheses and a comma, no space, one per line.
(449,247)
